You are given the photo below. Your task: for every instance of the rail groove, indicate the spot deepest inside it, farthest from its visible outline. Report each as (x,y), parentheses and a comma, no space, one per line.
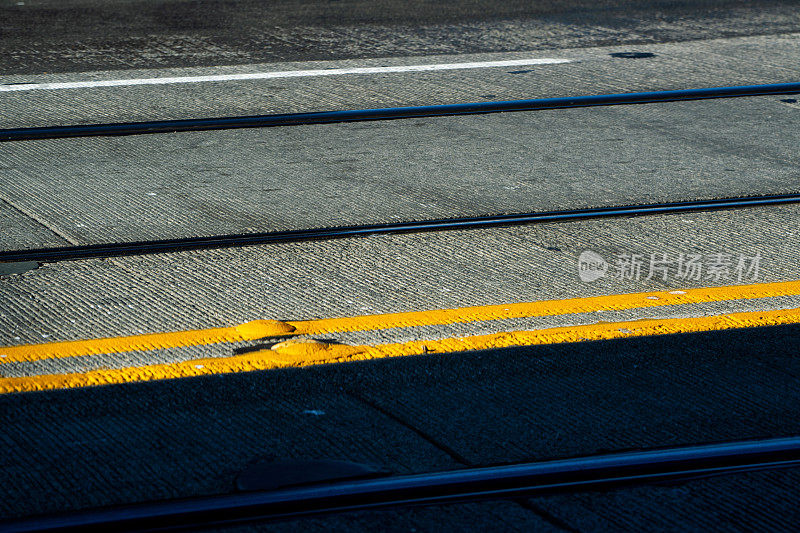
(598,472)
(44,255)
(358,115)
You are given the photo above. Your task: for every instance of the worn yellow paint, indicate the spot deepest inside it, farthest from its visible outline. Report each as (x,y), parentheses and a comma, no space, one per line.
(257,329)
(260,329)
(299,353)
(614,302)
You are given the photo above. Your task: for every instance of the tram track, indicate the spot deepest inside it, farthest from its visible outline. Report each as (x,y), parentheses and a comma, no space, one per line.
(120,249)
(391,113)
(587,473)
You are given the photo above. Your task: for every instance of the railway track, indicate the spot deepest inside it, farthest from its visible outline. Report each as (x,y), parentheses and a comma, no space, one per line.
(67,253)
(361,115)
(592,473)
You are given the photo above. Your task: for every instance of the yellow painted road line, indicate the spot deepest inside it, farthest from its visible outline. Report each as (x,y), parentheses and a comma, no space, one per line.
(614,302)
(299,353)
(260,329)
(257,329)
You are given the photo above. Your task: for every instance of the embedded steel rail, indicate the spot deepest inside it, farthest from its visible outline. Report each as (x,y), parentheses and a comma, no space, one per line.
(357,115)
(66,253)
(600,472)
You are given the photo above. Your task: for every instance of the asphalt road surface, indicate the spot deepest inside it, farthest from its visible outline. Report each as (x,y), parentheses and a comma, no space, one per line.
(139,378)
(81,35)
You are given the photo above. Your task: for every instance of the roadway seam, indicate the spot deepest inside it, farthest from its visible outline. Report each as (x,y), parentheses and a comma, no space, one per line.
(52,229)
(546,515)
(457,457)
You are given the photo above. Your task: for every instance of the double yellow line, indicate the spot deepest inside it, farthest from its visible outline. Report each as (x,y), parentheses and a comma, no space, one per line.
(300,351)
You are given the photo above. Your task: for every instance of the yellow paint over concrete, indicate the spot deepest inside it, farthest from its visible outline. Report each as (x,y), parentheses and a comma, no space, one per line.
(614,302)
(260,329)
(257,329)
(299,353)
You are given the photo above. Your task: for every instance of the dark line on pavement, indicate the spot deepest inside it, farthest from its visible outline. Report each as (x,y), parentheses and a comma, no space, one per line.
(587,473)
(454,455)
(46,255)
(543,513)
(358,115)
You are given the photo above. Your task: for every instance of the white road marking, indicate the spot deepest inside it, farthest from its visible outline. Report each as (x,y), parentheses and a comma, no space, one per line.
(283,74)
